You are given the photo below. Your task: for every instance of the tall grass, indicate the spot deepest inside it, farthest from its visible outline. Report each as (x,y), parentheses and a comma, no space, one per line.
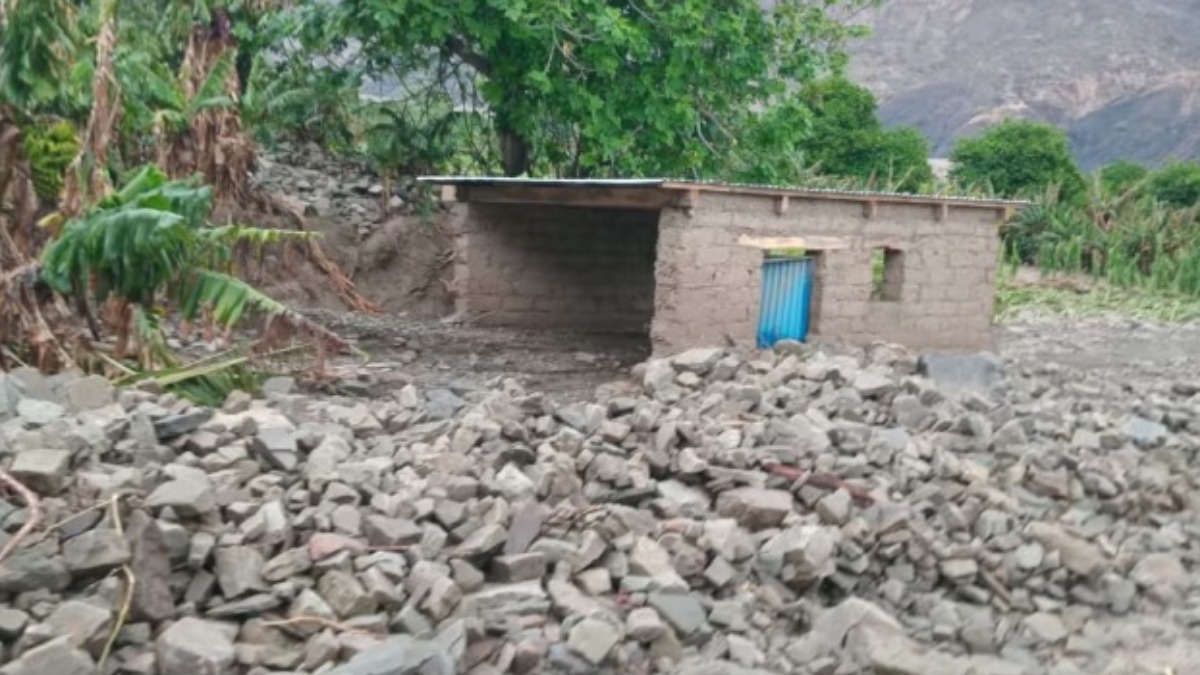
(1123,237)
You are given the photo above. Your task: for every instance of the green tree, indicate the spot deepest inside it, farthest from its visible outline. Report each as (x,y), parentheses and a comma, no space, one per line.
(1018,158)
(1119,177)
(1176,185)
(847,139)
(594,87)
(905,156)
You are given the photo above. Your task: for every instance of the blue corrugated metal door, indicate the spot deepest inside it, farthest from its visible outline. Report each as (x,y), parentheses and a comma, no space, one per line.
(786,299)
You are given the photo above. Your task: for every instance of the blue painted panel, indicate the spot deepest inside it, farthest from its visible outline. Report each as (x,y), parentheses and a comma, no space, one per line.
(786,300)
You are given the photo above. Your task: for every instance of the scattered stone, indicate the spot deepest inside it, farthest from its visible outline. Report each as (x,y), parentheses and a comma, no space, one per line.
(755,508)
(593,639)
(1078,555)
(399,655)
(195,647)
(1046,627)
(239,570)
(57,656)
(698,521)
(43,471)
(190,497)
(97,550)
(681,610)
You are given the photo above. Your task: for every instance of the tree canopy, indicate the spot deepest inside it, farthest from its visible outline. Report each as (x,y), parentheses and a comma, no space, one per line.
(1017,158)
(593,87)
(847,138)
(1177,184)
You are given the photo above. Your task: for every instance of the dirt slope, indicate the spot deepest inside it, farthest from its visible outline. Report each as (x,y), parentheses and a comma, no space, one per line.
(1122,77)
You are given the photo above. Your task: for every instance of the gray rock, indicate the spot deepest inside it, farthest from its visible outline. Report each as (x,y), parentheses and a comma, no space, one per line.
(12,621)
(384,531)
(190,496)
(519,567)
(800,556)
(649,559)
(698,361)
(871,384)
(514,484)
(33,569)
(239,570)
(276,447)
(755,508)
(290,563)
(1145,433)
(97,550)
(645,625)
(12,390)
(834,508)
(279,385)
(85,625)
(682,610)
(174,426)
(57,657)
(195,647)
(593,638)
(958,373)
(1045,627)
(39,413)
(498,602)
(1078,555)
(483,541)
(345,594)
(399,655)
(1162,573)
(88,393)
(43,471)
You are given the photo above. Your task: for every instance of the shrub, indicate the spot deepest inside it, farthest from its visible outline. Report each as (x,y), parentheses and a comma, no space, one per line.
(1018,158)
(1176,185)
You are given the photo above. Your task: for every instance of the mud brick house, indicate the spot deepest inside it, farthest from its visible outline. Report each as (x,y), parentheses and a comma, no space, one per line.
(705,264)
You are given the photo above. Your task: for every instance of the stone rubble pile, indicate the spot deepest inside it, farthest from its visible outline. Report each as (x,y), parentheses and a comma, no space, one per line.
(325,187)
(784,512)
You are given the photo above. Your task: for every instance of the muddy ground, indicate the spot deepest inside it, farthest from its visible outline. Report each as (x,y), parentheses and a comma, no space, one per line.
(570,365)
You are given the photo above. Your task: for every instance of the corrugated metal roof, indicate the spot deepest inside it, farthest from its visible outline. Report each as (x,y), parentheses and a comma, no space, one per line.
(672,184)
(545,182)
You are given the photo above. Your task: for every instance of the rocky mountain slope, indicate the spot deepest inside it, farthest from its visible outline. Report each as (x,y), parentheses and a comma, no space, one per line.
(1122,78)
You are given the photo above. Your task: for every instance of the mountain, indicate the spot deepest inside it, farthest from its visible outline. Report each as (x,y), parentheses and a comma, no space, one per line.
(1121,77)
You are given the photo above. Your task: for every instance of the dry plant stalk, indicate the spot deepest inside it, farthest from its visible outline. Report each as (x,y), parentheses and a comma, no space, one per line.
(213,143)
(35,513)
(130,584)
(86,180)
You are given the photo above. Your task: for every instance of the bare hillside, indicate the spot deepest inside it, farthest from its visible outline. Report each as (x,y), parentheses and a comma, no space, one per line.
(1123,78)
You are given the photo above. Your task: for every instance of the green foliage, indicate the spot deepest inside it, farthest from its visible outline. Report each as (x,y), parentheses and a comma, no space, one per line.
(1017,158)
(50,149)
(1176,185)
(602,87)
(905,156)
(1123,176)
(847,139)
(151,240)
(1125,239)
(36,46)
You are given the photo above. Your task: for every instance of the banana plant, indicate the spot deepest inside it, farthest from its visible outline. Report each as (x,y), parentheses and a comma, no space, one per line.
(147,249)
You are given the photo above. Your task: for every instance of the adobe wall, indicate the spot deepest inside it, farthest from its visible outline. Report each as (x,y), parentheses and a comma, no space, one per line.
(709,285)
(528,265)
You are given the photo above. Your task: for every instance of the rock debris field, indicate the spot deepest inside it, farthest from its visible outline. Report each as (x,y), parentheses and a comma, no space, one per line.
(719,513)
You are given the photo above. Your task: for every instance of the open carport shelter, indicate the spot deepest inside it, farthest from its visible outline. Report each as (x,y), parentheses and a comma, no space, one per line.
(707,264)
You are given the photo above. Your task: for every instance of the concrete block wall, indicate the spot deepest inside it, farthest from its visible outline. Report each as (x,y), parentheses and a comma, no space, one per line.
(709,285)
(528,265)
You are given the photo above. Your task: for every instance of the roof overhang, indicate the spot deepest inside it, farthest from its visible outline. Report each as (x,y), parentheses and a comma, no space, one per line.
(659,193)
